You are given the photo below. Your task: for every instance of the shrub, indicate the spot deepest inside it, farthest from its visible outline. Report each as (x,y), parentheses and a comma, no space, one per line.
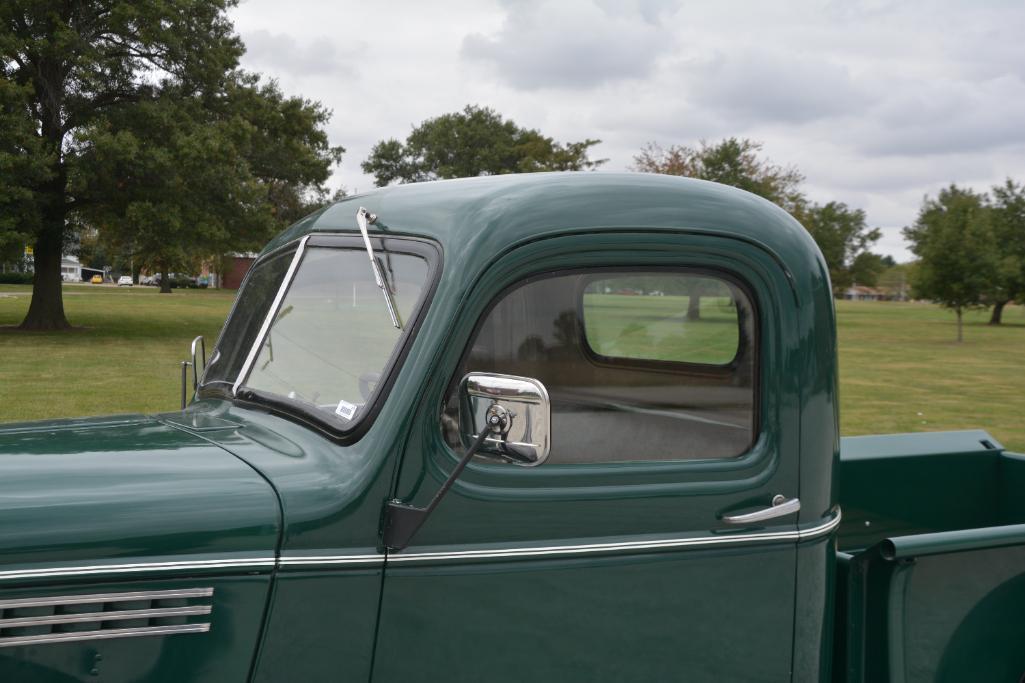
(15,278)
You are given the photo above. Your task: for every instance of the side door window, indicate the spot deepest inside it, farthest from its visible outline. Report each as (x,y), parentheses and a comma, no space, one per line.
(639,365)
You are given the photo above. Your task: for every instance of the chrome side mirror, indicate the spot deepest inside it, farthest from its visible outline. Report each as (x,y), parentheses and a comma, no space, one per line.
(198,365)
(502,416)
(516,410)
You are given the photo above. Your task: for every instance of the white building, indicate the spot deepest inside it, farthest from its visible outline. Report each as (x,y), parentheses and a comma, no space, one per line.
(71,269)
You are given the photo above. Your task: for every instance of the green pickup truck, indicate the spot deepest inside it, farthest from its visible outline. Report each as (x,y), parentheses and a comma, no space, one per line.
(553,427)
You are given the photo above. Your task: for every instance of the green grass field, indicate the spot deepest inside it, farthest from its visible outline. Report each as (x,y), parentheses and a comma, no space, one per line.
(124,356)
(900,369)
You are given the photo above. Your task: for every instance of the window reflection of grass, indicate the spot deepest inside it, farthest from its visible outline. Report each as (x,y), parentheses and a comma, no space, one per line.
(657,328)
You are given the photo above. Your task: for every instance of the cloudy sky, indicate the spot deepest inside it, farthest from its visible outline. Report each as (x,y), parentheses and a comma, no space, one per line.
(878,103)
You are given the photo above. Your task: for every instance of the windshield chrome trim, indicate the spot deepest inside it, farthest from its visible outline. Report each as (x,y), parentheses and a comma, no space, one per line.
(286,282)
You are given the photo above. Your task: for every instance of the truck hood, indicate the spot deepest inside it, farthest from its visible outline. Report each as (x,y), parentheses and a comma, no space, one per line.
(123,491)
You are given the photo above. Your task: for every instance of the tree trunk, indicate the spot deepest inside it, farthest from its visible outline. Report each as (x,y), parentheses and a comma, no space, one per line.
(960,326)
(165,280)
(46,310)
(998,313)
(694,307)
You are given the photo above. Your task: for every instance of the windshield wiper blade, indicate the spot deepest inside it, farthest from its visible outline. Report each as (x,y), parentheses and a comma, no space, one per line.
(363,218)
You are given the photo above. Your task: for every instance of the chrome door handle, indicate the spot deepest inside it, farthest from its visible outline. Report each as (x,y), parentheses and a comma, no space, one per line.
(781,506)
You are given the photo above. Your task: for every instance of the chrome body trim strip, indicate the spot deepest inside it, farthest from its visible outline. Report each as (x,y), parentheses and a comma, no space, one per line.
(107,597)
(139,567)
(243,374)
(104,634)
(115,615)
(361,560)
(314,560)
(658,544)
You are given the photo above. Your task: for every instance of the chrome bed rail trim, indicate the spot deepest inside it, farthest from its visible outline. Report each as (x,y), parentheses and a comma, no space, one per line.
(817,531)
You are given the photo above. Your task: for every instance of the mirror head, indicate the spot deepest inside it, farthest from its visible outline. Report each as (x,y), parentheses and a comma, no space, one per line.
(516,410)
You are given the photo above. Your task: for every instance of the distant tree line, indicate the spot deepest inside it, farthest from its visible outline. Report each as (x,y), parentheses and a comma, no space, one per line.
(971,249)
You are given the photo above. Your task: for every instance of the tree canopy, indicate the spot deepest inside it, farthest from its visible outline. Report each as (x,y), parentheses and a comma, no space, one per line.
(1008,222)
(840,232)
(186,179)
(476,141)
(103,107)
(957,254)
(844,238)
(732,161)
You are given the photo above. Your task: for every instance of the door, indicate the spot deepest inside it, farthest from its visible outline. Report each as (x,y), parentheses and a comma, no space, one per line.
(614,559)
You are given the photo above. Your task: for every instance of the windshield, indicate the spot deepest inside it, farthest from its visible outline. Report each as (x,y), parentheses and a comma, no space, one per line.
(245,319)
(331,338)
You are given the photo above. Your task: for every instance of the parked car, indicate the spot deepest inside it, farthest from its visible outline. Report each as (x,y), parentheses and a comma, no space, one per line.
(96,280)
(124,281)
(465,458)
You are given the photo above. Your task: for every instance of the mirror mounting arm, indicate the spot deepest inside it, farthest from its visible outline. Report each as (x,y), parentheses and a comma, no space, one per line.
(402,521)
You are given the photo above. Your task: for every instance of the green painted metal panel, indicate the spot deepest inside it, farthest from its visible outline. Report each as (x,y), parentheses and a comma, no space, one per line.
(109,491)
(907,484)
(321,627)
(938,617)
(651,617)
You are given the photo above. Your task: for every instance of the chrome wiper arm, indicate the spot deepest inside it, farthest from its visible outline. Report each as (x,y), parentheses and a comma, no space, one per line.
(363,218)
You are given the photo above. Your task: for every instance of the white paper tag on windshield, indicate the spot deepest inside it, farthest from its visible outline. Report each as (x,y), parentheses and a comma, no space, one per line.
(346,409)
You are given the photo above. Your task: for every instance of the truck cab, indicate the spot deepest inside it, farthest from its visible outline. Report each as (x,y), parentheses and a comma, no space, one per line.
(554,427)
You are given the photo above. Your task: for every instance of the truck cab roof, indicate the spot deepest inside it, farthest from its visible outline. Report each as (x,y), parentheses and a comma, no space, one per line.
(476,219)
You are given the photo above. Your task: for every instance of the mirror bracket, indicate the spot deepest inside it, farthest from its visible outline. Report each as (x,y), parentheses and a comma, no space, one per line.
(402,521)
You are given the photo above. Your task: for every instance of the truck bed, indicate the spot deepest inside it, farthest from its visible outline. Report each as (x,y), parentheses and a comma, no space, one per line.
(931,559)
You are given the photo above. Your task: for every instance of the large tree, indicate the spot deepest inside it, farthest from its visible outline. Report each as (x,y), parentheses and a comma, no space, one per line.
(953,240)
(64,64)
(187,179)
(732,161)
(844,238)
(1008,214)
(473,142)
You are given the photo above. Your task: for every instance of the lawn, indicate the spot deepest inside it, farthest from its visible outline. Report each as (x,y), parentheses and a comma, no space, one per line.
(900,369)
(124,356)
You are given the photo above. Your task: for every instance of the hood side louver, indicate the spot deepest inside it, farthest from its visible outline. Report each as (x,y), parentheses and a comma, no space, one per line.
(59,619)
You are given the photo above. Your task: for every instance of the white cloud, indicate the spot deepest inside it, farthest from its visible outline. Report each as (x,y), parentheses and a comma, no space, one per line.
(572,44)
(877,102)
(768,86)
(309,57)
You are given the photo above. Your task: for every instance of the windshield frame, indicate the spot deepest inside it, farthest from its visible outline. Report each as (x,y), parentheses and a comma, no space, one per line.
(298,410)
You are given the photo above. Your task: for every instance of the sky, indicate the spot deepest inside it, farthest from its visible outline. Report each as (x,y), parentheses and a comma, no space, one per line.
(877,103)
